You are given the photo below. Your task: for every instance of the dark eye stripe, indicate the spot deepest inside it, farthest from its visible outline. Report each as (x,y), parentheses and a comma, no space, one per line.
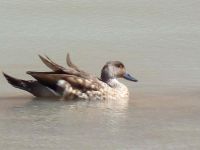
(119,65)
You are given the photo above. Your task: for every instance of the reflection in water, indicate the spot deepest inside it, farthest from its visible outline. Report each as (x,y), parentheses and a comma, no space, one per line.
(112,110)
(50,124)
(47,111)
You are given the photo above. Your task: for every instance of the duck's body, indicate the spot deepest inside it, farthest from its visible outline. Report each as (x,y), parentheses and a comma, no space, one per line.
(120,91)
(74,83)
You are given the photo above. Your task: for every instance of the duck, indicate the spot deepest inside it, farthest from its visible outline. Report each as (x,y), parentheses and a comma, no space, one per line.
(73,82)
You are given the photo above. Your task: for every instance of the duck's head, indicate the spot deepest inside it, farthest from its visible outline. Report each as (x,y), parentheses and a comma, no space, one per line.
(115,69)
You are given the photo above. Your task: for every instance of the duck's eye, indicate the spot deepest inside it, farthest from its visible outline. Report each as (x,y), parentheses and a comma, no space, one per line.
(119,66)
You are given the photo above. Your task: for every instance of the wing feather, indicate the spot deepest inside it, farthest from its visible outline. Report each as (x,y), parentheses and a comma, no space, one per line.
(73,70)
(70,64)
(51,79)
(50,64)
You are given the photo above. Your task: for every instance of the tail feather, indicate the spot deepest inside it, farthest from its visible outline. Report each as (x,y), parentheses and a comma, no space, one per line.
(18,83)
(31,86)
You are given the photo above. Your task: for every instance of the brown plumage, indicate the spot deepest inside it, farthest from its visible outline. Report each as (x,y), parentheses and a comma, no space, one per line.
(72,70)
(51,78)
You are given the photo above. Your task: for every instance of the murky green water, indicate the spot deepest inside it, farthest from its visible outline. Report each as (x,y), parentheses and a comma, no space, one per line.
(157,40)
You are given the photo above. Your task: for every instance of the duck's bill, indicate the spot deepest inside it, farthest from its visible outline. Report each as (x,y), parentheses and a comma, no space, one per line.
(129,77)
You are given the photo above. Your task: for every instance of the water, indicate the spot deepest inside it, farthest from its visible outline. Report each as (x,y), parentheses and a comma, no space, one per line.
(157,40)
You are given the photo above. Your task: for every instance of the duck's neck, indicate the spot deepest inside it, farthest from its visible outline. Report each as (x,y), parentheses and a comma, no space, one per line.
(108,77)
(113,82)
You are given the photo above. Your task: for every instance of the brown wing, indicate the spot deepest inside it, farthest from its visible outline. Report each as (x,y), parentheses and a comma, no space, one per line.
(73,70)
(52,78)
(70,64)
(82,72)
(53,66)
